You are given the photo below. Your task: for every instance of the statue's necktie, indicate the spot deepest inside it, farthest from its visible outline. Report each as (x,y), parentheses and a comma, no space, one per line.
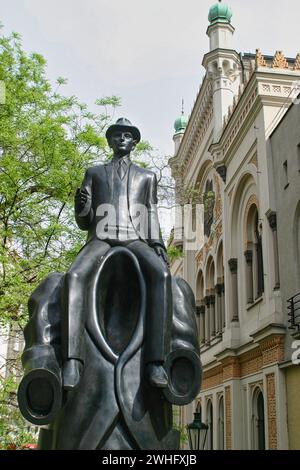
(122,168)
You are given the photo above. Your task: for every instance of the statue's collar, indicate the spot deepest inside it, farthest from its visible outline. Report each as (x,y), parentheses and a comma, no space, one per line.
(126,159)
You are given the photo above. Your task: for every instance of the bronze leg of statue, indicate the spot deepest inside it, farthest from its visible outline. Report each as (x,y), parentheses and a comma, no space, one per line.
(159,301)
(73,298)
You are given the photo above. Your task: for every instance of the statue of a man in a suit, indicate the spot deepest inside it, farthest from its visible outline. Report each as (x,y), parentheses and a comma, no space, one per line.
(116,204)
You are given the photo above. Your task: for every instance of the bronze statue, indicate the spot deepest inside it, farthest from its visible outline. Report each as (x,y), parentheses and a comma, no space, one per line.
(122,185)
(113,343)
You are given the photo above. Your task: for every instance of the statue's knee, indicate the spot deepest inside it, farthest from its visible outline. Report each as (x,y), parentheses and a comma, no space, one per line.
(72,277)
(163,275)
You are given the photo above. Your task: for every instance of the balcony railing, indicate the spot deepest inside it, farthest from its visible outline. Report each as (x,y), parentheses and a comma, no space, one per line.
(294,312)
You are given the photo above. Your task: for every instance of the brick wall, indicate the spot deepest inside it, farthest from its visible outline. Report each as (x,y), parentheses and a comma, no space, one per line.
(271,409)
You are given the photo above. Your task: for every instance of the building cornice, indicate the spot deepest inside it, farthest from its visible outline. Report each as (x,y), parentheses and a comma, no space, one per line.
(266,87)
(216,53)
(196,129)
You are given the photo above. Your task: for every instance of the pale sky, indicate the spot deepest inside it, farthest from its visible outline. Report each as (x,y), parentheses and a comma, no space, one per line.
(147,52)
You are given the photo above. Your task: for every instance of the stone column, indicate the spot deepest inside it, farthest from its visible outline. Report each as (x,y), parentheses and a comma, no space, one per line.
(213,314)
(272,218)
(233,265)
(249,275)
(223,306)
(202,324)
(207,319)
(260,268)
(218,289)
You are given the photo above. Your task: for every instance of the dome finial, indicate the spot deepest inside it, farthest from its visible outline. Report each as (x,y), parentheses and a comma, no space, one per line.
(181,122)
(220,12)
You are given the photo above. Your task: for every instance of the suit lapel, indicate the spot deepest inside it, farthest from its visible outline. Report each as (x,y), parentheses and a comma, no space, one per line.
(132,171)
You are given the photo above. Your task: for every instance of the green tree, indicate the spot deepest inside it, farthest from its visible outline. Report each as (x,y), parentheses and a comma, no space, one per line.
(46,143)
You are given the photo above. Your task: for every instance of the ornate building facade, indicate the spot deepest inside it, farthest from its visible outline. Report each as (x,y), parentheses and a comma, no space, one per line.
(223,154)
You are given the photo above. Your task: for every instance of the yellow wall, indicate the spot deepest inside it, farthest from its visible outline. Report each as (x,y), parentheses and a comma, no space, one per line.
(293,404)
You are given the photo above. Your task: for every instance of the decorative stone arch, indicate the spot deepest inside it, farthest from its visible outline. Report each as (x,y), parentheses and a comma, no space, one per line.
(202,175)
(200,286)
(198,186)
(200,308)
(210,273)
(205,185)
(254,266)
(210,298)
(248,178)
(252,201)
(220,290)
(244,195)
(221,421)
(220,260)
(210,423)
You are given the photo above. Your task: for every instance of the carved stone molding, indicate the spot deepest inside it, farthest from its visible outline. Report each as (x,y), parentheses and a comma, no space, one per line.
(259,59)
(199,257)
(253,200)
(280,61)
(254,160)
(219,230)
(297,62)
(218,202)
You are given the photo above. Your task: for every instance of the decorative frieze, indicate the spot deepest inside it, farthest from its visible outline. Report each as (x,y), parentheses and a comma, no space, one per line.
(228,418)
(280,61)
(259,59)
(272,413)
(199,257)
(297,62)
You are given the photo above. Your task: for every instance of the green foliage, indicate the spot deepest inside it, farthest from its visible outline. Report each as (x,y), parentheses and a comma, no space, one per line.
(14,432)
(46,142)
(174,253)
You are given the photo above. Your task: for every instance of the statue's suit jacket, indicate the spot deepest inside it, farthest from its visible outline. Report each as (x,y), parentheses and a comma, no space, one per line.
(141,190)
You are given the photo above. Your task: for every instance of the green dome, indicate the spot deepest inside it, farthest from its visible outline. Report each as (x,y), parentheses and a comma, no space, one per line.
(220,12)
(180,124)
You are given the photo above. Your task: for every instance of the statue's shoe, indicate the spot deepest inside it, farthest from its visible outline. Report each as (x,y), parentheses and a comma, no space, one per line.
(156,375)
(71,374)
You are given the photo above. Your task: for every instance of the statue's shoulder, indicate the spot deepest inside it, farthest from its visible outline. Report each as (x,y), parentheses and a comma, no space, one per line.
(94,170)
(147,173)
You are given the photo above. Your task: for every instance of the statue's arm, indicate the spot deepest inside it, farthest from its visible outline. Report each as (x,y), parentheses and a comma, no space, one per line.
(155,237)
(84,213)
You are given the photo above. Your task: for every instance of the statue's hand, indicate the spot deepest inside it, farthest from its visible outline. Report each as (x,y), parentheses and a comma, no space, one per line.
(161,253)
(82,197)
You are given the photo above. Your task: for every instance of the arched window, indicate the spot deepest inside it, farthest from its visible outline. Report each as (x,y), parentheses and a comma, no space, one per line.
(210,300)
(209,204)
(221,425)
(200,306)
(220,291)
(258,421)
(210,433)
(254,257)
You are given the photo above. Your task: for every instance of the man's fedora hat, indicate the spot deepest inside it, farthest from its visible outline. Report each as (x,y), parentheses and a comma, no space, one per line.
(123,124)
